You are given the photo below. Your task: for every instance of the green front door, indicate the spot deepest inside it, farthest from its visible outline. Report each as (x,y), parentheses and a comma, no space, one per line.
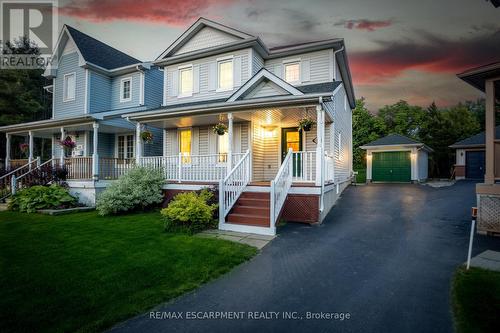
(292,138)
(391,166)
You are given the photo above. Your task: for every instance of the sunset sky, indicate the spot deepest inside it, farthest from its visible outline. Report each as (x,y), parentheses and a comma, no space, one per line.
(398,49)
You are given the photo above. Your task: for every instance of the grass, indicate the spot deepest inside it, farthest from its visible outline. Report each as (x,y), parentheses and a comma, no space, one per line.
(361,176)
(84,273)
(476,300)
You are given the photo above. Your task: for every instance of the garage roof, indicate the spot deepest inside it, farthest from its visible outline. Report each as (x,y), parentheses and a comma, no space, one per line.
(395,140)
(477,140)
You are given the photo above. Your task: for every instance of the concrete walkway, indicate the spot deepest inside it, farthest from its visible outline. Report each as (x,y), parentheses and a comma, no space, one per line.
(487,260)
(382,262)
(258,241)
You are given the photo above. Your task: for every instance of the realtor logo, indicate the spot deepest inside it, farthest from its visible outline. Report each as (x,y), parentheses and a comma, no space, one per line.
(34,19)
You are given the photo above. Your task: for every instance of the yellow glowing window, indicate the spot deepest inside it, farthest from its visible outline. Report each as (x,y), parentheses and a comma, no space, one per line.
(293,141)
(292,72)
(226,74)
(185,145)
(223,147)
(186,81)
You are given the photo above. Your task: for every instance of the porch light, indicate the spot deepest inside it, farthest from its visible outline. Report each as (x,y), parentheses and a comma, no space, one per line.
(269,132)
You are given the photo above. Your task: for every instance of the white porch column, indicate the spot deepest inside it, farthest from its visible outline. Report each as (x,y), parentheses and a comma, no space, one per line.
(63,135)
(320,145)
(230,142)
(489,177)
(30,144)
(7,151)
(164,142)
(95,154)
(138,144)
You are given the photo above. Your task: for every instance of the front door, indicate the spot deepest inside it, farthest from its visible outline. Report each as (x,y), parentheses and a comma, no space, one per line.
(474,164)
(292,138)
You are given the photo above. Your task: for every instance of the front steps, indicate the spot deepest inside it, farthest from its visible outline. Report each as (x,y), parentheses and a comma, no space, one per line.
(251,209)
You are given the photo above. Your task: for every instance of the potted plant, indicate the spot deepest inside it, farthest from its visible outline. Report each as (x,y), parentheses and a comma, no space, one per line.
(24,147)
(220,129)
(68,145)
(147,136)
(305,124)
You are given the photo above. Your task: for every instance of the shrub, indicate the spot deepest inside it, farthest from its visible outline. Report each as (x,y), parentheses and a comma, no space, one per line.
(138,189)
(31,199)
(190,212)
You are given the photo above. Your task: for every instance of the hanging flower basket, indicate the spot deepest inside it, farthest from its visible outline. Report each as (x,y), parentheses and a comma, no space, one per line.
(68,145)
(24,147)
(306,124)
(220,129)
(147,136)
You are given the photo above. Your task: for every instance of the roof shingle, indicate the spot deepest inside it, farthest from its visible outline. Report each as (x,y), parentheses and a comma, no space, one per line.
(392,139)
(475,140)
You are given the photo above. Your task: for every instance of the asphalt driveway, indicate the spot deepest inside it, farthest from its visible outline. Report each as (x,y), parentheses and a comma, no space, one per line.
(384,257)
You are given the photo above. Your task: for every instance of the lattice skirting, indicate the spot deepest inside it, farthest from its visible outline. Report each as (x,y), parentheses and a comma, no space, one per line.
(488,219)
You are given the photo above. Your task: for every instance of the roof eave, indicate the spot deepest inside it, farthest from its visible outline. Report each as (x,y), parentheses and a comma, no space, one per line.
(43,124)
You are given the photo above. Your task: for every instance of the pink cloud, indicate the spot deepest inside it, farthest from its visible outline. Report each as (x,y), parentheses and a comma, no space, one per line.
(367,25)
(168,12)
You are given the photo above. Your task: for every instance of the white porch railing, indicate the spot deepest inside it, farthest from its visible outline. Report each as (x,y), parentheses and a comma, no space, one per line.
(280,187)
(231,187)
(304,166)
(18,183)
(209,168)
(9,178)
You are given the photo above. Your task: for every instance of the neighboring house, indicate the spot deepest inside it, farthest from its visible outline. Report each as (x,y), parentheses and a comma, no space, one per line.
(471,156)
(264,167)
(487,79)
(396,158)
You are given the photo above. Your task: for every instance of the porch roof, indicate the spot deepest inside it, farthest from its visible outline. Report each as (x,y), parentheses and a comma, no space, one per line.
(46,124)
(190,109)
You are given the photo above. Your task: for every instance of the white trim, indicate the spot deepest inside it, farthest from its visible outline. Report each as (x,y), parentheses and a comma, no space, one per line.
(250,62)
(142,85)
(125,146)
(218,62)
(53,97)
(65,88)
(179,80)
(87,82)
(331,66)
(286,61)
(122,86)
(248,229)
(165,87)
(289,63)
(264,73)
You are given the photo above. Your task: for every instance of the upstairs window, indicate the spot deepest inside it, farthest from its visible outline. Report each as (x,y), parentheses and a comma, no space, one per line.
(126,90)
(292,72)
(69,87)
(186,81)
(225,74)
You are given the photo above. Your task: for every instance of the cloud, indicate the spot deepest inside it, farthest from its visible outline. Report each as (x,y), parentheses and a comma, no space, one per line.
(169,12)
(364,24)
(430,53)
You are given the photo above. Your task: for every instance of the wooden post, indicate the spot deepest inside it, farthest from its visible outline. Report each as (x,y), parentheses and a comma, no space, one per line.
(320,145)
(489,177)
(138,144)
(30,144)
(7,151)
(95,153)
(230,143)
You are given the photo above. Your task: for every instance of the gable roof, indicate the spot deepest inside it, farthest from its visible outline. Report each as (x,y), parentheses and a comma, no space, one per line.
(99,53)
(262,76)
(395,140)
(195,28)
(475,140)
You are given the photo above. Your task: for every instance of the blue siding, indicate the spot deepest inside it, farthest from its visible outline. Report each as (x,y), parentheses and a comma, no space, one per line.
(69,64)
(106,145)
(100,92)
(80,140)
(115,91)
(153,88)
(156,147)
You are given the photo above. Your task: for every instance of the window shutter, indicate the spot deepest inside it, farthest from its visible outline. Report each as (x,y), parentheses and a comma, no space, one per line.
(306,70)
(237,72)
(278,70)
(172,145)
(196,79)
(212,76)
(175,83)
(237,138)
(195,141)
(212,142)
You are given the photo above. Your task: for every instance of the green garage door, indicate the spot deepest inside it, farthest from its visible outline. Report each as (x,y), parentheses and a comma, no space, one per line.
(391,167)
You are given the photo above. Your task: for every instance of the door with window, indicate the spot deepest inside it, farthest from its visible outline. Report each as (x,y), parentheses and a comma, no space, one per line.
(292,138)
(185,145)
(126,147)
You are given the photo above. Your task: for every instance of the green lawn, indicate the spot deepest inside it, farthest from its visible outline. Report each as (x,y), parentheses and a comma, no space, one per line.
(476,300)
(82,272)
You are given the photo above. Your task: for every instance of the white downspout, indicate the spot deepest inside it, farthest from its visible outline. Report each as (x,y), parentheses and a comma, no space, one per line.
(335,63)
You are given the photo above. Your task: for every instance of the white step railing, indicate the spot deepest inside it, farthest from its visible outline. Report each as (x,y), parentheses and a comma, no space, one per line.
(304,166)
(7,179)
(209,168)
(231,187)
(17,182)
(280,187)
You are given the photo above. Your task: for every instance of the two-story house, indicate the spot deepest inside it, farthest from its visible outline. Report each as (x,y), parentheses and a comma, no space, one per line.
(264,165)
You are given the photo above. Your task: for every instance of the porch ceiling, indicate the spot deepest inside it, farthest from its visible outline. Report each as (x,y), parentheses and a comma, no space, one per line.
(281,117)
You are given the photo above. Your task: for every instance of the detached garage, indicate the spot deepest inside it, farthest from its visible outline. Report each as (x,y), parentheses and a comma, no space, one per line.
(396,158)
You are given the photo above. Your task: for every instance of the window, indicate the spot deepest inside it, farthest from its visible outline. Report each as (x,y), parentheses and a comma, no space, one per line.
(225,74)
(186,81)
(292,72)
(69,87)
(125,146)
(185,145)
(126,90)
(223,147)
